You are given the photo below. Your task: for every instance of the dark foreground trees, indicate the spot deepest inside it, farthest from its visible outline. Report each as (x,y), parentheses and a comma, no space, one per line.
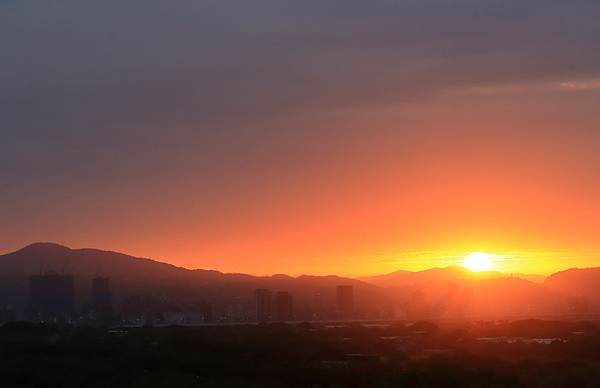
(291,356)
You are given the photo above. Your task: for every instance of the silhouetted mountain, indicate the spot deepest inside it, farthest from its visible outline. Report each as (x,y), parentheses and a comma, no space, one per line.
(452,292)
(458,292)
(579,283)
(576,281)
(132,276)
(436,275)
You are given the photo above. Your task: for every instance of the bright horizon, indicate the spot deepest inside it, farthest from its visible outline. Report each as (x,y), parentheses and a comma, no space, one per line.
(474,261)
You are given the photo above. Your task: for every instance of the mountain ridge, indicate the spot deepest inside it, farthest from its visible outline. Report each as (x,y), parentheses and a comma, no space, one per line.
(437,292)
(132,276)
(450,273)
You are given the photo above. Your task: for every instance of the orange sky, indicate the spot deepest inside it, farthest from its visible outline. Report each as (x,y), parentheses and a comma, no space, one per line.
(476,173)
(318,137)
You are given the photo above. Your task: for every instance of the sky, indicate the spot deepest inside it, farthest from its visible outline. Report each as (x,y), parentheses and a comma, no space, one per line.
(312,137)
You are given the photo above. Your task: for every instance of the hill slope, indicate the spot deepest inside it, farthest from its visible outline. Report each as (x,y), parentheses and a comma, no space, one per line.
(457,292)
(132,276)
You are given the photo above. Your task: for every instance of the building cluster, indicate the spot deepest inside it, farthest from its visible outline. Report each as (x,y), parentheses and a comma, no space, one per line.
(280,306)
(52,298)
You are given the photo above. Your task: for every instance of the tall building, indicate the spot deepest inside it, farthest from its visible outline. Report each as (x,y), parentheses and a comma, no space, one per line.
(235,310)
(317,307)
(345,301)
(263,305)
(7,314)
(284,307)
(206,309)
(102,307)
(51,297)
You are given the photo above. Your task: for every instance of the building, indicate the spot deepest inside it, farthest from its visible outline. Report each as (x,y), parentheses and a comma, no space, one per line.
(102,304)
(317,308)
(51,297)
(206,309)
(345,301)
(7,314)
(263,305)
(190,315)
(238,309)
(101,295)
(185,318)
(284,307)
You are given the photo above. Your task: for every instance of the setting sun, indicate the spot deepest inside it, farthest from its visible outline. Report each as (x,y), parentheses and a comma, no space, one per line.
(478,262)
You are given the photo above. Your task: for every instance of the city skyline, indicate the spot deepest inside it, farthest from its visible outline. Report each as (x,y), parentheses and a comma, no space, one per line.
(97,287)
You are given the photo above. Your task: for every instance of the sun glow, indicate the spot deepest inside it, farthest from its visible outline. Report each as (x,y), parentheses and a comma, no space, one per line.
(478,262)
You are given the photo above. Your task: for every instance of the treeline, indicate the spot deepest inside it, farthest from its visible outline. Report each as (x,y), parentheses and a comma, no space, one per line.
(279,355)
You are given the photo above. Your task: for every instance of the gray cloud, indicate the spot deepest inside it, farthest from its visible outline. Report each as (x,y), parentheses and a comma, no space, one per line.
(84,70)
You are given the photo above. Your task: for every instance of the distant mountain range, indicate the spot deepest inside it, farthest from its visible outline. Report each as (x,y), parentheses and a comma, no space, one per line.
(455,292)
(447,274)
(451,292)
(582,283)
(132,276)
